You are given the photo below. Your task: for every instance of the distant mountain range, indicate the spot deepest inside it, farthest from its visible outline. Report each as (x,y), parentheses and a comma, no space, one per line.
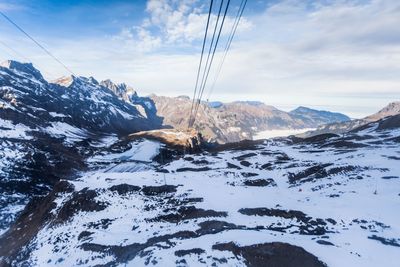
(47,129)
(231,122)
(318,117)
(93,107)
(391,109)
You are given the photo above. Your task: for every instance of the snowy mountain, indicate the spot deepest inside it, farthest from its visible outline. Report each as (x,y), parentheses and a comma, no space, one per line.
(82,102)
(107,107)
(145,105)
(47,130)
(323,201)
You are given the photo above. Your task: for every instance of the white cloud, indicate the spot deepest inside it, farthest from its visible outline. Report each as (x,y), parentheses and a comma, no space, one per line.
(174,23)
(138,37)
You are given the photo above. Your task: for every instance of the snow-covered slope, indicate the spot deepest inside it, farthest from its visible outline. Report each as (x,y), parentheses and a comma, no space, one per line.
(48,129)
(25,97)
(290,202)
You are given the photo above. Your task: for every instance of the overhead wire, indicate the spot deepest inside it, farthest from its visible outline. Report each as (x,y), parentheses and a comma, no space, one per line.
(201,60)
(212,59)
(210,49)
(51,76)
(228,45)
(37,43)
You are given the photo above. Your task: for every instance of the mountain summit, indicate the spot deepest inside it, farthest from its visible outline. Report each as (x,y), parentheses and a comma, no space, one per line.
(26,68)
(390,110)
(318,117)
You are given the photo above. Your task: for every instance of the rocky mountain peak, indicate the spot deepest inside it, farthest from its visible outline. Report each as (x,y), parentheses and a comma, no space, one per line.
(390,110)
(65,81)
(129,90)
(392,107)
(93,80)
(26,68)
(121,90)
(68,81)
(109,84)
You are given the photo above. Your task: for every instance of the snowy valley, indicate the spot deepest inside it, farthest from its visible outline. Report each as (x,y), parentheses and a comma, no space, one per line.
(325,200)
(76,192)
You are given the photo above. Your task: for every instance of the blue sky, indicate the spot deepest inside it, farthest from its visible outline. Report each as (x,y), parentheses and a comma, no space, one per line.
(75,19)
(341,55)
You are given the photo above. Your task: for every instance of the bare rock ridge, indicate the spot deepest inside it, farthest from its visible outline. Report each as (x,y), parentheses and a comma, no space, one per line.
(188,140)
(121,90)
(240,120)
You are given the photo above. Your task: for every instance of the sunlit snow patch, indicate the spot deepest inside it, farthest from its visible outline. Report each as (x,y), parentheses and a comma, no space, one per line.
(279,133)
(10,130)
(71,133)
(143,151)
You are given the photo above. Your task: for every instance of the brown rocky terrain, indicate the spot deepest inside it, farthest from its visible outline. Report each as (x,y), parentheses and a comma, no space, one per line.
(236,121)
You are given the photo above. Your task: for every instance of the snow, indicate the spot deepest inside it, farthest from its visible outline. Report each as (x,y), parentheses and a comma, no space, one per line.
(13,205)
(233,129)
(9,130)
(10,203)
(143,151)
(58,115)
(148,104)
(279,133)
(141,110)
(222,189)
(105,141)
(71,133)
